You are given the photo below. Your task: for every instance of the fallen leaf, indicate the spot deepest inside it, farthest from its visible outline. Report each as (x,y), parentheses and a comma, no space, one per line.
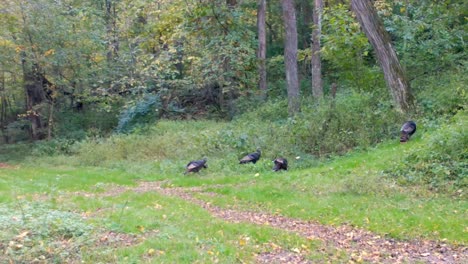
(22,235)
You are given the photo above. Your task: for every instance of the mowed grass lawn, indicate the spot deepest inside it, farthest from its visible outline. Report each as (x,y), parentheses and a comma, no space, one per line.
(56,210)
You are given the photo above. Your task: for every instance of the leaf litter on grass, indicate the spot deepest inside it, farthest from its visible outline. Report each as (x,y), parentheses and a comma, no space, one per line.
(360,245)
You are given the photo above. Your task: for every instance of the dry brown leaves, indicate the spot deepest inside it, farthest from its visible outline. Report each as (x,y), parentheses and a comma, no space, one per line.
(361,245)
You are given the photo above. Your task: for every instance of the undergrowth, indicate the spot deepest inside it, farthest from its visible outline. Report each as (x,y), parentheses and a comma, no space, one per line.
(330,127)
(441,163)
(33,232)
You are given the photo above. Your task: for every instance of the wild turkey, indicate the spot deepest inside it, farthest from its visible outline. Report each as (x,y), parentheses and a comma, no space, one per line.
(407,130)
(196,165)
(252,157)
(280,164)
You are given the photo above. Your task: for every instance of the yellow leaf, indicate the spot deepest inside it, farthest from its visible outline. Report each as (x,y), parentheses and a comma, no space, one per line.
(151,251)
(6,43)
(242,242)
(141,228)
(22,235)
(49,52)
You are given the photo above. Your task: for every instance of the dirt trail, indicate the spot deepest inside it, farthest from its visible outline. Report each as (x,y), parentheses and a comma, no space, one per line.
(361,245)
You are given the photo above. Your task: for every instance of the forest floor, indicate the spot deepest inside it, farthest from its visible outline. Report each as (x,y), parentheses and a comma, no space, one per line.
(361,245)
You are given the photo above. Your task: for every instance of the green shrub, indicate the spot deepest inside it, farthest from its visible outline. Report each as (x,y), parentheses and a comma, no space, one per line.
(352,120)
(443,94)
(322,129)
(35,233)
(143,112)
(59,146)
(441,162)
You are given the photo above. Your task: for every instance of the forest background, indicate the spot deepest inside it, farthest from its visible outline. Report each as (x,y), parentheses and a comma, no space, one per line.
(104,102)
(76,75)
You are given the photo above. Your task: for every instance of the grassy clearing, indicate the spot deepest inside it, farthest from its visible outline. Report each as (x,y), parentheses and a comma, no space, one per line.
(353,188)
(164,230)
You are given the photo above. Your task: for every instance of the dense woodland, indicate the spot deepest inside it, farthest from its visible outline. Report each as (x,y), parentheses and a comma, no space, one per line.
(74,69)
(143,131)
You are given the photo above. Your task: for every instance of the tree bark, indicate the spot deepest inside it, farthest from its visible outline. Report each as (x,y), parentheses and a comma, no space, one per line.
(380,40)
(3,108)
(317,84)
(111,27)
(261,55)
(290,56)
(35,95)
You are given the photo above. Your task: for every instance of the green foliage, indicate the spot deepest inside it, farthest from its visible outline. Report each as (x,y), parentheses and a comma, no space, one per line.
(349,121)
(443,94)
(59,146)
(346,51)
(33,232)
(429,36)
(145,111)
(331,127)
(441,162)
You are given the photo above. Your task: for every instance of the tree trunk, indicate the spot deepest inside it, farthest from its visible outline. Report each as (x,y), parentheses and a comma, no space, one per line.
(380,41)
(290,56)
(261,26)
(50,121)
(3,108)
(34,96)
(111,27)
(317,84)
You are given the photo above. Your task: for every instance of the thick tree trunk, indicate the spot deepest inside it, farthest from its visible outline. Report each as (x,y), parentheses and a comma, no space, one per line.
(317,85)
(290,55)
(380,41)
(261,26)
(34,96)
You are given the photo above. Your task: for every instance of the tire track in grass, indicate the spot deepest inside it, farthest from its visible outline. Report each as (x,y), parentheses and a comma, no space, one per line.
(361,245)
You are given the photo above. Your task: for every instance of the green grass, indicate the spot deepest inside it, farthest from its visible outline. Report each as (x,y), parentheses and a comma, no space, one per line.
(353,188)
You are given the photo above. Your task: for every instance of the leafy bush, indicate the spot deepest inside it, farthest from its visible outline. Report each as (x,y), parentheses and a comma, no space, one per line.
(143,112)
(95,119)
(59,146)
(429,35)
(352,120)
(36,233)
(442,94)
(322,129)
(441,162)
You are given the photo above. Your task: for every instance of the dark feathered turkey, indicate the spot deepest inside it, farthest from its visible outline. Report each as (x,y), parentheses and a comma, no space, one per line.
(407,130)
(252,157)
(280,164)
(196,165)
